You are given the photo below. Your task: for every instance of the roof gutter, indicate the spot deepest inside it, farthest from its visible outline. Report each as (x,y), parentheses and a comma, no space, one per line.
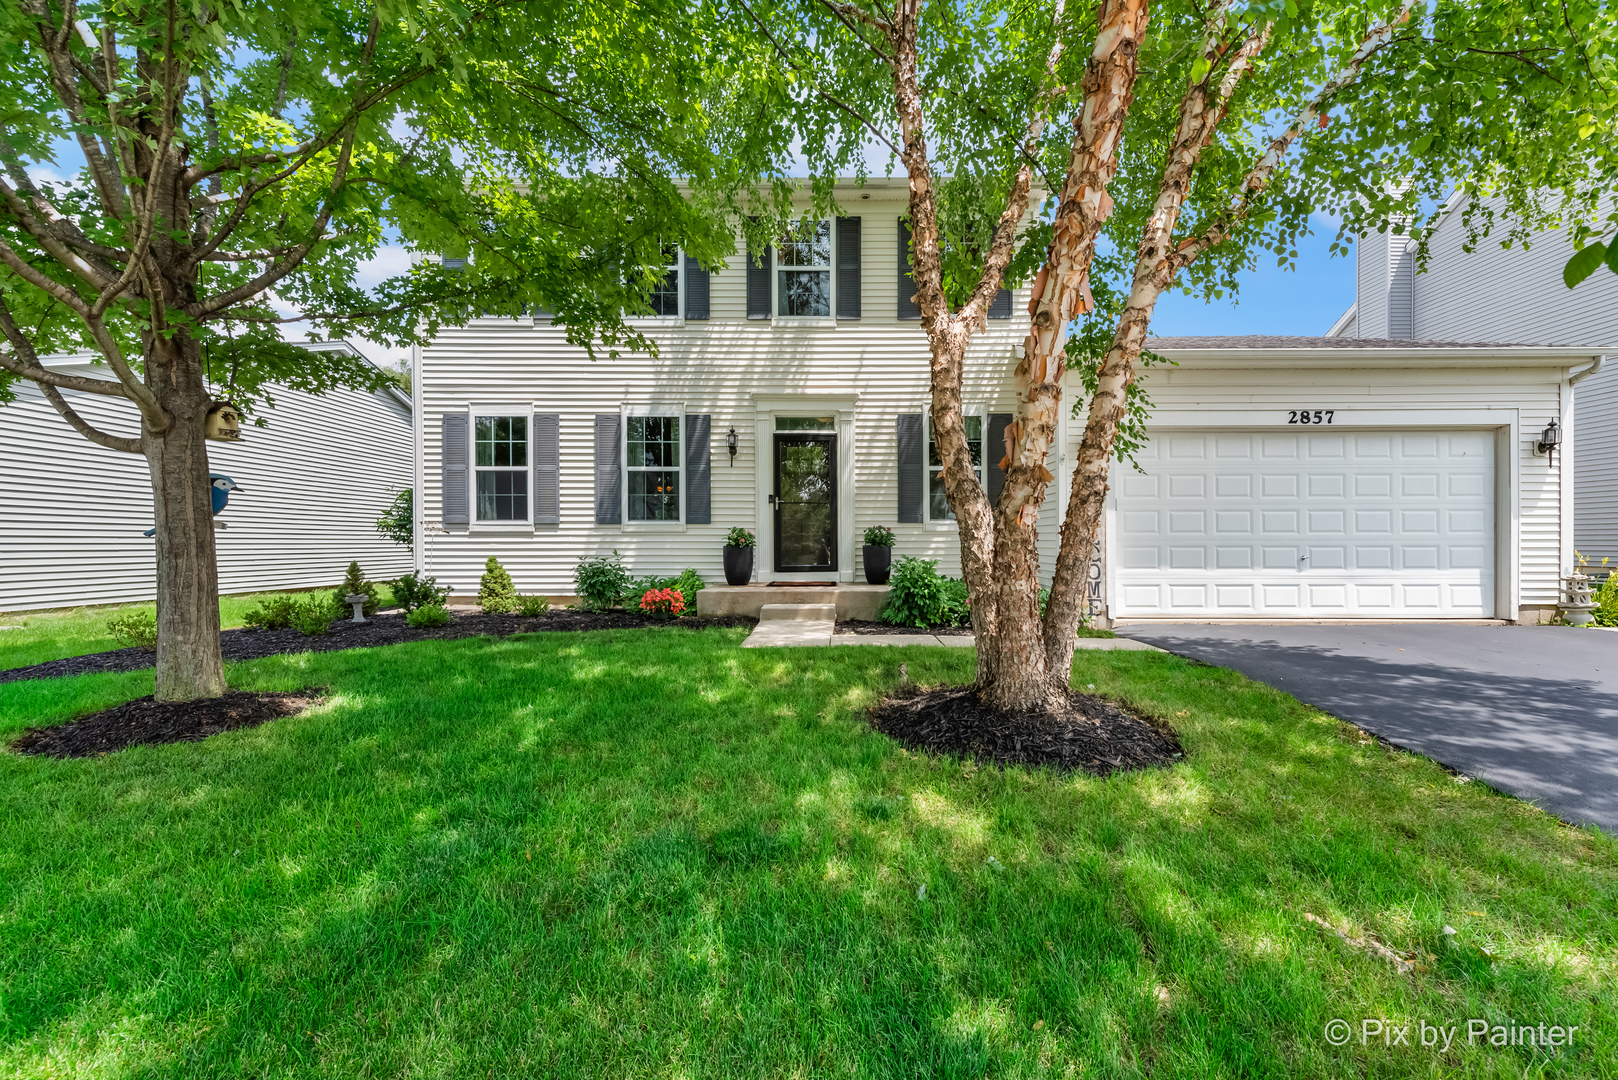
(1587,372)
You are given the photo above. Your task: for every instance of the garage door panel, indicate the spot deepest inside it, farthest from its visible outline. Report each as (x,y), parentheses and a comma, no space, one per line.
(1372,524)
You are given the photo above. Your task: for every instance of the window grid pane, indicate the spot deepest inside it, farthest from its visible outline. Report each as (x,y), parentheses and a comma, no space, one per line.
(502,442)
(807,244)
(805,293)
(653,460)
(937,500)
(665,297)
(502,496)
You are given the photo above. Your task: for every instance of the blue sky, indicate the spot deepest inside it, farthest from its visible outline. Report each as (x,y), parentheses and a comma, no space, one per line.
(1271,300)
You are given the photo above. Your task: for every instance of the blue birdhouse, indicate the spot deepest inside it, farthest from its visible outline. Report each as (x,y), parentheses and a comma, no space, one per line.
(219,488)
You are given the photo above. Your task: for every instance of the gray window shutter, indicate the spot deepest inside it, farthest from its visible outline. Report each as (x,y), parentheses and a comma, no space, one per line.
(609,469)
(907,282)
(696,290)
(1000,306)
(547,469)
(452,452)
(994,452)
(910,467)
(758,282)
(698,469)
(848,268)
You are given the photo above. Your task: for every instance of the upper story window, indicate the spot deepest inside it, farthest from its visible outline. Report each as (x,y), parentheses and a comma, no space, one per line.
(803,277)
(654,464)
(665,297)
(500,459)
(937,501)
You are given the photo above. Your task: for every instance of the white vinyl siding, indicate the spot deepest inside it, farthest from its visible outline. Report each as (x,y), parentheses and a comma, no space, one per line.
(314,481)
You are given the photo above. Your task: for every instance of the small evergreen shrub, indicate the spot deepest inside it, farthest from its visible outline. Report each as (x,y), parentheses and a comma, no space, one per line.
(428,616)
(496,594)
(530,607)
(134,629)
(879,536)
(915,594)
(413,591)
(272,613)
(354,582)
(601,582)
(311,616)
(740,537)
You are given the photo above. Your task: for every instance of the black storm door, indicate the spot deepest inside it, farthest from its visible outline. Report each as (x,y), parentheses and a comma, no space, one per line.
(805,502)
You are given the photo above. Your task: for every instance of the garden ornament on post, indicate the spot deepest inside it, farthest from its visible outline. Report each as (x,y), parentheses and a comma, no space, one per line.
(222,486)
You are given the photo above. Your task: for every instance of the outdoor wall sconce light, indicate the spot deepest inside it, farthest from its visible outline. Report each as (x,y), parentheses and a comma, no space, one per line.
(1549,440)
(730,445)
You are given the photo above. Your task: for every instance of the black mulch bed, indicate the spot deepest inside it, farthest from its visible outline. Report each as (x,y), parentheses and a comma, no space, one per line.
(145,721)
(379,630)
(1095,735)
(866,626)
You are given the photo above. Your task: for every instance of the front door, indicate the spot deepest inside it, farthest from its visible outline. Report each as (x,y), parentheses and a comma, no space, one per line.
(805,502)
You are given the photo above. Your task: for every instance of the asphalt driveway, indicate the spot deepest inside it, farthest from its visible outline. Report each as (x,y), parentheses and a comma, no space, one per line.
(1532,710)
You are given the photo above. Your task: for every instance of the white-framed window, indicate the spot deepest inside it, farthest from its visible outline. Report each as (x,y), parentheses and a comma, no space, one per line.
(976,424)
(803,278)
(665,295)
(500,460)
(654,466)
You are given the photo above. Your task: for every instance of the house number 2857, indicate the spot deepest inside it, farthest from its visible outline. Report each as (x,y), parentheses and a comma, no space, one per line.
(1304,416)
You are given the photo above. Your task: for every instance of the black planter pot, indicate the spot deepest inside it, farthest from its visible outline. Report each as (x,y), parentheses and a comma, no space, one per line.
(878,561)
(738,565)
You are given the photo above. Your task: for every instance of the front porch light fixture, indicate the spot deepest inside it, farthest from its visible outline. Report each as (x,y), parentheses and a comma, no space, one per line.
(730,445)
(1549,440)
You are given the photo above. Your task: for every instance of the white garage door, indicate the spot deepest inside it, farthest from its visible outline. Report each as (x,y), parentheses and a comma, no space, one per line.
(1361,524)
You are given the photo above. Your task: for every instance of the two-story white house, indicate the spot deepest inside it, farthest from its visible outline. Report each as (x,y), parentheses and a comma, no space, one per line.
(1286,478)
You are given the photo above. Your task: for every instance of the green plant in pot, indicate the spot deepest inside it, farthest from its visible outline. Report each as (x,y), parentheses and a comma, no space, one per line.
(877,554)
(739,556)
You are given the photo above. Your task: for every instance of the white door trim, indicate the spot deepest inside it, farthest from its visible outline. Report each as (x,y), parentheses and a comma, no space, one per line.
(766,408)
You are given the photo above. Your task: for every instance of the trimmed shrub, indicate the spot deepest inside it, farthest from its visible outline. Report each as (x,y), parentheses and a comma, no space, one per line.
(915,594)
(688,584)
(428,616)
(413,591)
(354,582)
(957,604)
(272,613)
(532,606)
(312,615)
(601,582)
(134,629)
(496,594)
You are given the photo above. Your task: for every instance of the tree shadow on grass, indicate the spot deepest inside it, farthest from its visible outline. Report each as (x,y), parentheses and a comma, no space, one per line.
(635,856)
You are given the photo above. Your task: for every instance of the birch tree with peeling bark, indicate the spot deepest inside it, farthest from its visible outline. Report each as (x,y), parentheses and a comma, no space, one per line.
(230,167)
(1197,134)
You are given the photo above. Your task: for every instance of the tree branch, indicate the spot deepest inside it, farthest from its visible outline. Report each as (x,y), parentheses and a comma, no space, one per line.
(84,427)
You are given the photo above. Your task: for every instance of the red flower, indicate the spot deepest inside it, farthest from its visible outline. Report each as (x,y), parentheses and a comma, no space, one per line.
(662,602)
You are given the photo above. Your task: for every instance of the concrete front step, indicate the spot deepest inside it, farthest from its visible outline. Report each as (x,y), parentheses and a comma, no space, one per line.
(801,612)
(852,601)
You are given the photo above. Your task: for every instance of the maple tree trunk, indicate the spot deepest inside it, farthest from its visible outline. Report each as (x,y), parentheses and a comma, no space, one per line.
(189,665)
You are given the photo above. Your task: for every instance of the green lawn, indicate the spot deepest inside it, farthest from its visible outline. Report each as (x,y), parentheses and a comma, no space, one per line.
(52,635)
(651,853)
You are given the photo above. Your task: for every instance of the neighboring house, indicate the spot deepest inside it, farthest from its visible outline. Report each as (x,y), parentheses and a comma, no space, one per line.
(790,393)
(1509,295)
(313,483)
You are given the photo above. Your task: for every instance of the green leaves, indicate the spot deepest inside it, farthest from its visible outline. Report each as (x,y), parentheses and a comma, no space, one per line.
(1585,262)
(1588,259)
